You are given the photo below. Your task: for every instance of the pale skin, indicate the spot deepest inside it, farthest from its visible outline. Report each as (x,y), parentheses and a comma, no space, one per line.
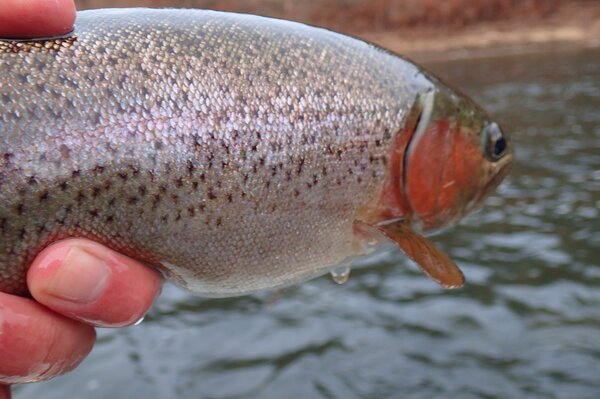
(76,284)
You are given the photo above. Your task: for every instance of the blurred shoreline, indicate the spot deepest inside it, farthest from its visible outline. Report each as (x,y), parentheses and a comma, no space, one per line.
(572,26)
(426,30)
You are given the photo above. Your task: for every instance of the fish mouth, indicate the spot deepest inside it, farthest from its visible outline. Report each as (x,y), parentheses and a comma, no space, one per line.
(502,169)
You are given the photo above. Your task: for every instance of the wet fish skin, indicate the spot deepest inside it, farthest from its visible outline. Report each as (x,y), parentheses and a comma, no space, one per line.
(233,152)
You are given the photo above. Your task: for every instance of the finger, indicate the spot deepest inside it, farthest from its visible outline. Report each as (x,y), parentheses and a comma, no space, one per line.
(87,281)
(36,18)
(4,392)
(36,343)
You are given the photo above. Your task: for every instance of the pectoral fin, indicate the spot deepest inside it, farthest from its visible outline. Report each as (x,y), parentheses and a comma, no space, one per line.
(435,263)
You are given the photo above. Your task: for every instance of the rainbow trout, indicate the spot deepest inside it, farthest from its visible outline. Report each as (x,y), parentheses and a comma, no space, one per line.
(234,153)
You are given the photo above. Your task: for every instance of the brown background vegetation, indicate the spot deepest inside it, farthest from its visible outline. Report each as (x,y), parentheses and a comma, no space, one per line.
(364,15)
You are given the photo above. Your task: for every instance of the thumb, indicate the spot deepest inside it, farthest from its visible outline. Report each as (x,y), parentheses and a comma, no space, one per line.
(89,282)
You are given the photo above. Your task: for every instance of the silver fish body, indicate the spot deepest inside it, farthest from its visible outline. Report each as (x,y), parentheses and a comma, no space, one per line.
(232,152)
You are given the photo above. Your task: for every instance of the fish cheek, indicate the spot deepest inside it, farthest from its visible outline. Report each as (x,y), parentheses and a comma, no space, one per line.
(442,174)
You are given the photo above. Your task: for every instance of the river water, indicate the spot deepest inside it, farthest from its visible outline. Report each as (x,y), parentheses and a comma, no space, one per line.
(527,324)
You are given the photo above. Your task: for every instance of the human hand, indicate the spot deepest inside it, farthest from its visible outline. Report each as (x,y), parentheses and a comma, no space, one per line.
(36,18)
(76,284)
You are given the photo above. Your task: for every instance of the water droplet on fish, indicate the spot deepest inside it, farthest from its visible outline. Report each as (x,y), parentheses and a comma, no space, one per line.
(137,323)
(341,274)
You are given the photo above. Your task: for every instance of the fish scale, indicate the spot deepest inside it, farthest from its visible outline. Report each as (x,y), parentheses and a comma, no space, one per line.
(224,144)
(232,152)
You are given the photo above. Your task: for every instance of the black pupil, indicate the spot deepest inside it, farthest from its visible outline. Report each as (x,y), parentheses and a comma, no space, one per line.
(499,146)
(496,144)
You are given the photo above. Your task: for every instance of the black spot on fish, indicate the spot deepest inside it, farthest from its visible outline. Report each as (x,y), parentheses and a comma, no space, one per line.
(190,168)
(19,208)
(134,170)
(44,196)
(386,134)
(219,221)
(300,166)
(179,182)
(96,118)
(132,200)
(41,88)
(93,213)
(211,194)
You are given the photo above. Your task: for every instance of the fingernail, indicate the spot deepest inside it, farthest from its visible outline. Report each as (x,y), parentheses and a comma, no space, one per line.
(81,278)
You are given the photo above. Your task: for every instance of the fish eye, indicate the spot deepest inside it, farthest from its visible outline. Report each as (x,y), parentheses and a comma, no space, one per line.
(495,143)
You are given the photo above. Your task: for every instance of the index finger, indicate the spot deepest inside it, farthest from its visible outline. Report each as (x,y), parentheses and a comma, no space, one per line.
(22,19)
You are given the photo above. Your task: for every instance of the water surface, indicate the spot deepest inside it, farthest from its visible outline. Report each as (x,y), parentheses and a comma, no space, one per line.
(527,325)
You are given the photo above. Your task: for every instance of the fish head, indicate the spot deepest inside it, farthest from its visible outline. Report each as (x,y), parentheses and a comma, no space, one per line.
(445,160)
(456,156)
